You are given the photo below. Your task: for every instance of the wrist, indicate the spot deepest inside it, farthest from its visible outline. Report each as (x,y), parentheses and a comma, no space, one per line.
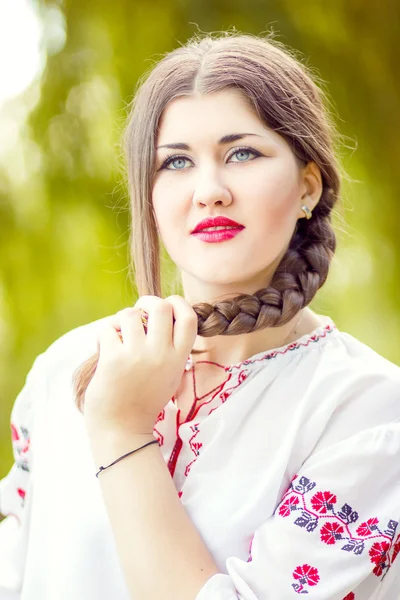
(107,446)
(108,429)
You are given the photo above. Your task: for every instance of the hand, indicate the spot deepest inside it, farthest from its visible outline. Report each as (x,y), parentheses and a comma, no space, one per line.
(138,373)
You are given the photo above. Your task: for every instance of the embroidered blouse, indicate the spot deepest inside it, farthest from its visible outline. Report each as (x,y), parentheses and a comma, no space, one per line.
(290,471)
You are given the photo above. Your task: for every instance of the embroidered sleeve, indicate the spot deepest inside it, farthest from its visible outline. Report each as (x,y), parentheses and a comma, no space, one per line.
(15,488)
(335,533)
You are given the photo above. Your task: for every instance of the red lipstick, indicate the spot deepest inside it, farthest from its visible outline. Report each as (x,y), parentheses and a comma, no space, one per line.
(228,229)
(217,236)
(216,222)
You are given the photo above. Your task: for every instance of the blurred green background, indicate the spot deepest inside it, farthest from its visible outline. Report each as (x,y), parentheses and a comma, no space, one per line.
(63,205)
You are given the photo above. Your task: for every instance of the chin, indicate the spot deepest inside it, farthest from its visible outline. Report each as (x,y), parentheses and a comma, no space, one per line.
(229,283)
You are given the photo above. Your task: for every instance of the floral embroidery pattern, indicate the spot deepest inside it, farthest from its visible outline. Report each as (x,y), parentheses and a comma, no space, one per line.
(21,443)
(305,575)
(335,524)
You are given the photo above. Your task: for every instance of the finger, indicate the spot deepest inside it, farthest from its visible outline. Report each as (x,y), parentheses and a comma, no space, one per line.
(112,320)
(160,320)
(132,331)
(186,324)
(108,341)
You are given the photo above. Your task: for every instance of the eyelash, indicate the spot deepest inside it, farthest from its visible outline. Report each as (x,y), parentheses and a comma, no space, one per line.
(171,157)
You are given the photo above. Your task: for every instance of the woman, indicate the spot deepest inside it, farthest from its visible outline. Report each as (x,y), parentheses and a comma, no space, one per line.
(266,441)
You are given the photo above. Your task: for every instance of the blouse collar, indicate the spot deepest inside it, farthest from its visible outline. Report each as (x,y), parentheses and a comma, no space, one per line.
(320,332)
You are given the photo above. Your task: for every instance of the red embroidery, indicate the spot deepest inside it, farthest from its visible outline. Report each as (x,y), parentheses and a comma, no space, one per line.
(350,596)
(337,523)
(331,532)
(21,494)
(396,549)
(322,502)
(21,444)
(196,445)
(173,459)
(223,393)
(289,348)
(160,437)
(227,392)
(379,555)
(14,433)
(367,528)
(306,575)
(286,506)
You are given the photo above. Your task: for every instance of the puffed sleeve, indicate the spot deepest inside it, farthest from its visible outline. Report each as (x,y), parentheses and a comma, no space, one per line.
(16,487)
(335,533)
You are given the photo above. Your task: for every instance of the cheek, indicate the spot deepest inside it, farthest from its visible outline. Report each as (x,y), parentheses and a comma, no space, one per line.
(277,203)
(168,212)
(161,200)
(167,194)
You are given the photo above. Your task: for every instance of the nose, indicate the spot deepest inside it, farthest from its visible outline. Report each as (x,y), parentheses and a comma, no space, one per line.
(210,190)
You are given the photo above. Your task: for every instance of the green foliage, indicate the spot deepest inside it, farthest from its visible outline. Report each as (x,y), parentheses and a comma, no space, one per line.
(64,222)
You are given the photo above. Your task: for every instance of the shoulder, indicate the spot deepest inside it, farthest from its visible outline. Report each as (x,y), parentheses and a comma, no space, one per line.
(357,389)
(73,347)
(338,361)
(65,353)
(350,360)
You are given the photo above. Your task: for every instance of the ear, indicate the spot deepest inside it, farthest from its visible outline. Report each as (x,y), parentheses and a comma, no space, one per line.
(311,182)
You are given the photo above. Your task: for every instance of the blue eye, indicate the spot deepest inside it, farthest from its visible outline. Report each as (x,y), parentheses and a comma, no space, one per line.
(172,159)
(242,150)
(175,157)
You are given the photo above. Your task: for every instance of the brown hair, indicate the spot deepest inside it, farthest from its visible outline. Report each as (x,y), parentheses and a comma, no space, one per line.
(287,99)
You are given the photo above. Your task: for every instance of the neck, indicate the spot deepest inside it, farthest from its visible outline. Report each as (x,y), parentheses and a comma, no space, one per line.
(231,349)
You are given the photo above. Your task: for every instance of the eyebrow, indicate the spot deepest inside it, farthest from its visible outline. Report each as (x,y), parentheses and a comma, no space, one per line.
(226,139)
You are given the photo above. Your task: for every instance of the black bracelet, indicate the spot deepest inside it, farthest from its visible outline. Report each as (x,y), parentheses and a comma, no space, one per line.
(127,454)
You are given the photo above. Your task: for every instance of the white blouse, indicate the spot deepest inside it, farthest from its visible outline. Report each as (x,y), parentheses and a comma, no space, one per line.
(290,471)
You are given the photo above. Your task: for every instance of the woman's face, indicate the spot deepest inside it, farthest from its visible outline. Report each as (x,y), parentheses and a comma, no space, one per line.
(254,180)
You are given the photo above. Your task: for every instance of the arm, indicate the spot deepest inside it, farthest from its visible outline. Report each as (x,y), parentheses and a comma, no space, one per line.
(161,551)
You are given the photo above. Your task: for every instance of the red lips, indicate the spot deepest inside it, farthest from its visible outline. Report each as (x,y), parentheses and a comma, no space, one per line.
(216,222)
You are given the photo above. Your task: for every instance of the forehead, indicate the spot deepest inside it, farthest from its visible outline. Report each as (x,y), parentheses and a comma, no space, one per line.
(219,112)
